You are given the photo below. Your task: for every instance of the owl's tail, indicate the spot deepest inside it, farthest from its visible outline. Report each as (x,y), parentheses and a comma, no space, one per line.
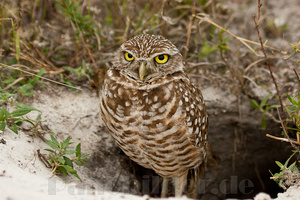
(212,159)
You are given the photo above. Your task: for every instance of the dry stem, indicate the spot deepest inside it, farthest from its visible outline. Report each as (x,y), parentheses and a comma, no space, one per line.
(282,115)
(297,75)
(282,139)
(47,79)
(242,40)
(189,32)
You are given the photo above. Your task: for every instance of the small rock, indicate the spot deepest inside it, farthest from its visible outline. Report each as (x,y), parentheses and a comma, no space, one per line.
(262,196)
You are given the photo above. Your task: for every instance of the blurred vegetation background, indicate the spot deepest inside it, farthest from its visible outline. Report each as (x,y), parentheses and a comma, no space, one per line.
(73,40)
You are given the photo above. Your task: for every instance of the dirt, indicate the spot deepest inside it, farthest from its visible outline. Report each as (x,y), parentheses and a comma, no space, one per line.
(66,113)
(235,132)
(242,167)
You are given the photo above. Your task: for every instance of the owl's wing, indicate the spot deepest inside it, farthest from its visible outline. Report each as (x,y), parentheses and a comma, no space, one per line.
(192,103)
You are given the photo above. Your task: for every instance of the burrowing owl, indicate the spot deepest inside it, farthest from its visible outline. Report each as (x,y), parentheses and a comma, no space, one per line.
(153,111)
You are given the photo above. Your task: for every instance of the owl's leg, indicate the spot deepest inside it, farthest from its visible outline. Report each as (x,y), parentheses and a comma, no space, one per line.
(164,190)
(179,184)
(193,185)
(196,174)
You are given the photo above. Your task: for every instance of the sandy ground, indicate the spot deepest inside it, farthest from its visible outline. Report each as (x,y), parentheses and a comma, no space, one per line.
(293,193)
(24,176)
(66,113)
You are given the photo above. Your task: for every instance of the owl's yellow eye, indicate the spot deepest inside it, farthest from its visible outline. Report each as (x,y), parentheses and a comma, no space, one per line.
(161,59)
(128,56)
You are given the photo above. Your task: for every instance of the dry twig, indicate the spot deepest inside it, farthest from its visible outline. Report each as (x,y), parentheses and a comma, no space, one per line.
(282,139)
(189,32)
(41,77)
(297,75)
(282,114)
(43,159)
(244,41)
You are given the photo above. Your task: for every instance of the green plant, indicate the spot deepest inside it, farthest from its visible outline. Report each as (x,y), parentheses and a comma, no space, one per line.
(288,175)
(15,118)
(294,109)
(24,89)
(207,49)
(222,46)
(294,114)
(26,85)
(68,82)
(264,108)
(81,71)
(61,164)
(295,50)
(84,23)
(5,95)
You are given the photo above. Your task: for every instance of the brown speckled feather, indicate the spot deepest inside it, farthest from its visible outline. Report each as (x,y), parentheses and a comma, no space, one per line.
(159,122)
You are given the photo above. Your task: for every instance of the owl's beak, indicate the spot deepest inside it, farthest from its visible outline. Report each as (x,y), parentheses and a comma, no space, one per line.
(142,71)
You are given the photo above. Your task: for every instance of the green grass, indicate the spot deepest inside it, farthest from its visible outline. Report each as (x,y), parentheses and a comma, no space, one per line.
(15,119)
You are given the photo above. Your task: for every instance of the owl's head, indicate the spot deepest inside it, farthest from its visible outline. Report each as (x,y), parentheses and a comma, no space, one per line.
(146,58)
